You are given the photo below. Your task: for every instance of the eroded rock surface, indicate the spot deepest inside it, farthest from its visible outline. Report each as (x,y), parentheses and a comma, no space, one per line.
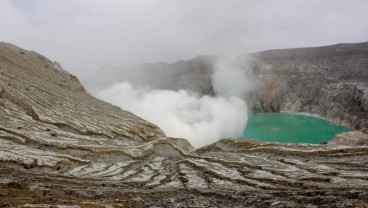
(330,81)
(61,146)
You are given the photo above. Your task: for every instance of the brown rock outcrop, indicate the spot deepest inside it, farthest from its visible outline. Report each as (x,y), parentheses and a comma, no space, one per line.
(61,146)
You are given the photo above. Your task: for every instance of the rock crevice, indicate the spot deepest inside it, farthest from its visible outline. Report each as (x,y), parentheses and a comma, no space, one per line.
(61,146)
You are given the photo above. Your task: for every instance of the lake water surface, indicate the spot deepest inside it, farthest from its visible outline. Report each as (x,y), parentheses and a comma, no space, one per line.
(290,128)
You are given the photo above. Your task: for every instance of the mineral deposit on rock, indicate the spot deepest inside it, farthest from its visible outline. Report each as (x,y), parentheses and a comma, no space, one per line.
(61,146)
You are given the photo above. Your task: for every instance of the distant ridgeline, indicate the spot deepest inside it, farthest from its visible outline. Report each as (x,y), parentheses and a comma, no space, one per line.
(61,146)
(330,81)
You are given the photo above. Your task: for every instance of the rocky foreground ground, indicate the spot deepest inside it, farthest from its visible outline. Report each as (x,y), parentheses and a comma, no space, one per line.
(61,146)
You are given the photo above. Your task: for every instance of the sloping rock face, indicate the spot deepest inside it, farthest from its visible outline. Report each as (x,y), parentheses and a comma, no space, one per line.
(193,75)
(61,146)
(330,81)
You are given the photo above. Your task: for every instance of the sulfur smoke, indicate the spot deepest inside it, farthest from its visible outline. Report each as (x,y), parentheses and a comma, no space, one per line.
(200,119)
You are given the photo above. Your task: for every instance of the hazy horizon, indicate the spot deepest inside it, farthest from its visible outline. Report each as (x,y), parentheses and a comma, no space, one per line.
(84,35)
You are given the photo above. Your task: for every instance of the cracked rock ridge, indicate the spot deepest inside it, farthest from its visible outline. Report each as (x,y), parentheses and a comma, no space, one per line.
(59,146)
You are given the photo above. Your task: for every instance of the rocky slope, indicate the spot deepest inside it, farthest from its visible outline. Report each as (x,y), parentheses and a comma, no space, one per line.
(194,75)
(61,146)
(329,81)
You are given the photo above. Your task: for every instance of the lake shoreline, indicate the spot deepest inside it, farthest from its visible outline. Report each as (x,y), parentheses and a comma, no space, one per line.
(333,121)
(287,127)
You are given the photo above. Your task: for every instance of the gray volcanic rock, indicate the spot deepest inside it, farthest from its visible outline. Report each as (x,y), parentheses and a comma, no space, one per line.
(61,146)
(330,81)
(193,75)
(350,138)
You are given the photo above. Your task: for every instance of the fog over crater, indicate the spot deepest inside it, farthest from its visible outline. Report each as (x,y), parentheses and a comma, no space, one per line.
(202,119)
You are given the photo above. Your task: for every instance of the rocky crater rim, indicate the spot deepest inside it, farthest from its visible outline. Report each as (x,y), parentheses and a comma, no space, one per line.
(61,146)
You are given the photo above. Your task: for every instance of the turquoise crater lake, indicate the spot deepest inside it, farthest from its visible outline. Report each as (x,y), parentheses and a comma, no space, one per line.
(290,128)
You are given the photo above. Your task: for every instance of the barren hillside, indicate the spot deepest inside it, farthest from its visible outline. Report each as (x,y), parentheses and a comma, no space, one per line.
(61,146)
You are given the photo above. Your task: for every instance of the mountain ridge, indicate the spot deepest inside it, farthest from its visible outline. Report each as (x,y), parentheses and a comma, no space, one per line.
(340,69)
(61,147)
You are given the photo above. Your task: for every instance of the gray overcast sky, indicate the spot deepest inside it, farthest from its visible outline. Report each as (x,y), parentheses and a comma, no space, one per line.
(84,34)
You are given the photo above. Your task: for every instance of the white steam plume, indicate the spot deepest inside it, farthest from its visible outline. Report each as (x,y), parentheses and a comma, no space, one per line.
(200,119)
(232,77)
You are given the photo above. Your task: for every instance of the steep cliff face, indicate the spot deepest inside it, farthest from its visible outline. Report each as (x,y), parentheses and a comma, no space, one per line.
(330,81)
(61,146)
